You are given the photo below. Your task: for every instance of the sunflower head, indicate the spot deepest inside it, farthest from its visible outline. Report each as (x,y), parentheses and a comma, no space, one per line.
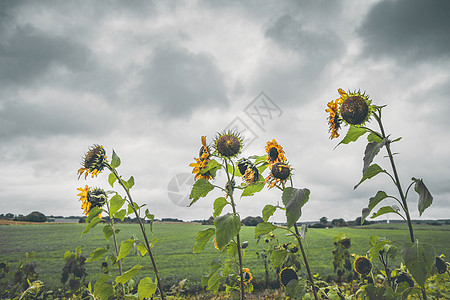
(91,197)
(279,174)
(93,162)
(204,149)
(286,275)
(248,170)
(334,120)
(275,152)
(201,163)
(441,265)
(228,144)
(362,265)
(247,275)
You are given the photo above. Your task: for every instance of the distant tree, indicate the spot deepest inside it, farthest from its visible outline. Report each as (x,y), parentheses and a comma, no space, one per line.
(338,222)
(35,216)
(9,216)
(323,220)
(252,221)
(210,221)
(82,220)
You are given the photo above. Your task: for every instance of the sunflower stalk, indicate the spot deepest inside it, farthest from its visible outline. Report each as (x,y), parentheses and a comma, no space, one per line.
(238,240)
(396,177)
(141,225)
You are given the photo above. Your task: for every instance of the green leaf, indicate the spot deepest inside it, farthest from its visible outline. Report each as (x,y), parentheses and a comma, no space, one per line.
(151,217)
(293,200)
(378,244)
(91,225)
(372,171)
(142,249)
(219,204)
(353,134)
(67,255)
(385,210)
(212,167)
(296,289)
(107,231)
(200,189)
(268,211)
(202,238)
(111,179)
(121,214)
(254,188)
(230,169)
(425,198)
(115,160)
(146,288)
(99,252)
(94,212)
(419,259)
(125,248)
(227,227)
(264,228)
(373,201)
(371,151)
(130,182)
(125,277)
(130,209)
(102,289)
(372,137)
(115,203)
(277,257)
(214,282)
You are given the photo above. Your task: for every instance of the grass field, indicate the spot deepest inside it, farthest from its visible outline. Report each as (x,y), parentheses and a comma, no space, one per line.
(173,250)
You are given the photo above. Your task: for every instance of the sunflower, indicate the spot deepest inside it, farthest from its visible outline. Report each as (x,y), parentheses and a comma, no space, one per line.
(248,170)
(441,265)
(91,198)
(93,162)
(247,275)
(275,152)
(333,120)
(286,275)
(228,144)
(215,244)
(362,265)
(279,174)
(201,163)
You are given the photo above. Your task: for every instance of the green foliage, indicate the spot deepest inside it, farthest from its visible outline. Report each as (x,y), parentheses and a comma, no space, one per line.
(125,248)
(115,203)
(268,211)
(353,134)
(128,275)
(264,228)
(253,188)
(200,189)
(202,238)
(425,198)
(372,171)
(115,161)
(419,258)
(294,199)
(227,227)
(371,151)
(146,288)
(219,204)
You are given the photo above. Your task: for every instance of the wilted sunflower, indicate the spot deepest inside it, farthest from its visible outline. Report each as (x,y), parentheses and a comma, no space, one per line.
(91,198)
(279,174)
(248,170)
(228,144)
(275,152)
(362,265)
(333,120)
(247,275)
(201,163)
(441,265)
(93,162)
(286,275)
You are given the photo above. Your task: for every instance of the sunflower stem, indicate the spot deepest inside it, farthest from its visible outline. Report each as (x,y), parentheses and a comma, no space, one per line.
(150,252)
(305,258)
(238,240)
(397,180)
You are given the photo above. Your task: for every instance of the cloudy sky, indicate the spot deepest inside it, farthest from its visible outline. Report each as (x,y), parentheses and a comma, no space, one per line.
(149,78)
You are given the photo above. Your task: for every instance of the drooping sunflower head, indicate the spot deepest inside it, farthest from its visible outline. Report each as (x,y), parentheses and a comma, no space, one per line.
(249,171)
(93,162)
(200,165)
(247,275)
(362,265)
(275,152)
(334,121)
(286,275)
(91,197)
(228,144)
(441,265)
(280,172)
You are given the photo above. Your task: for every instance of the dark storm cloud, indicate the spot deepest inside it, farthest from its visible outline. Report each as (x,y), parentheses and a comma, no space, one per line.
(179,82)
(407,30)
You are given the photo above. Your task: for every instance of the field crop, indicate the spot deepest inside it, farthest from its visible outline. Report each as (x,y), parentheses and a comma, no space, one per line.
(173,249)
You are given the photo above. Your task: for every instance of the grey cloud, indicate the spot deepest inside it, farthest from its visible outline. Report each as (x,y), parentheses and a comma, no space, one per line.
(408,30)
(180,82)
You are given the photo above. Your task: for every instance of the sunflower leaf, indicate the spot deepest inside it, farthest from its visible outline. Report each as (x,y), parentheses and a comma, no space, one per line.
(125,277)
(146,288)
(115,203)
(352,135)
(294,199)
(372,137)
(130,182)
(227,227)
(115,160)
(212,167)
(264,228)
(91,225)
(253,188)
(121,214)
(111,179)
(94,212)
(202,238)
(219,204)
(425,198)
(371,151)
(200,189)
(268,211)
(107,231)
(125,248)
(385,210)
(419,259)
(372,171)
(277,257)
(373,201)
(150,217)
(99,252)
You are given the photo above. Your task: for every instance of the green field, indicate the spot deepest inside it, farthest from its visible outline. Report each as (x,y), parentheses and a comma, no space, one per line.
(173,250)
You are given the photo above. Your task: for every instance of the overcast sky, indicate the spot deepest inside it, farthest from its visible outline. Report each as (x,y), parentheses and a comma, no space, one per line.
(149,78)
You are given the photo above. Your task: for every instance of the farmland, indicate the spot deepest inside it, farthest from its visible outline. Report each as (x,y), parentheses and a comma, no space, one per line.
(173,249)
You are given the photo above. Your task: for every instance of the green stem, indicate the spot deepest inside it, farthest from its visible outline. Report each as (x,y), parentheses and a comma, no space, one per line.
(305,258)
(397,180)
(116,248)
(238,240)
(147,243)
